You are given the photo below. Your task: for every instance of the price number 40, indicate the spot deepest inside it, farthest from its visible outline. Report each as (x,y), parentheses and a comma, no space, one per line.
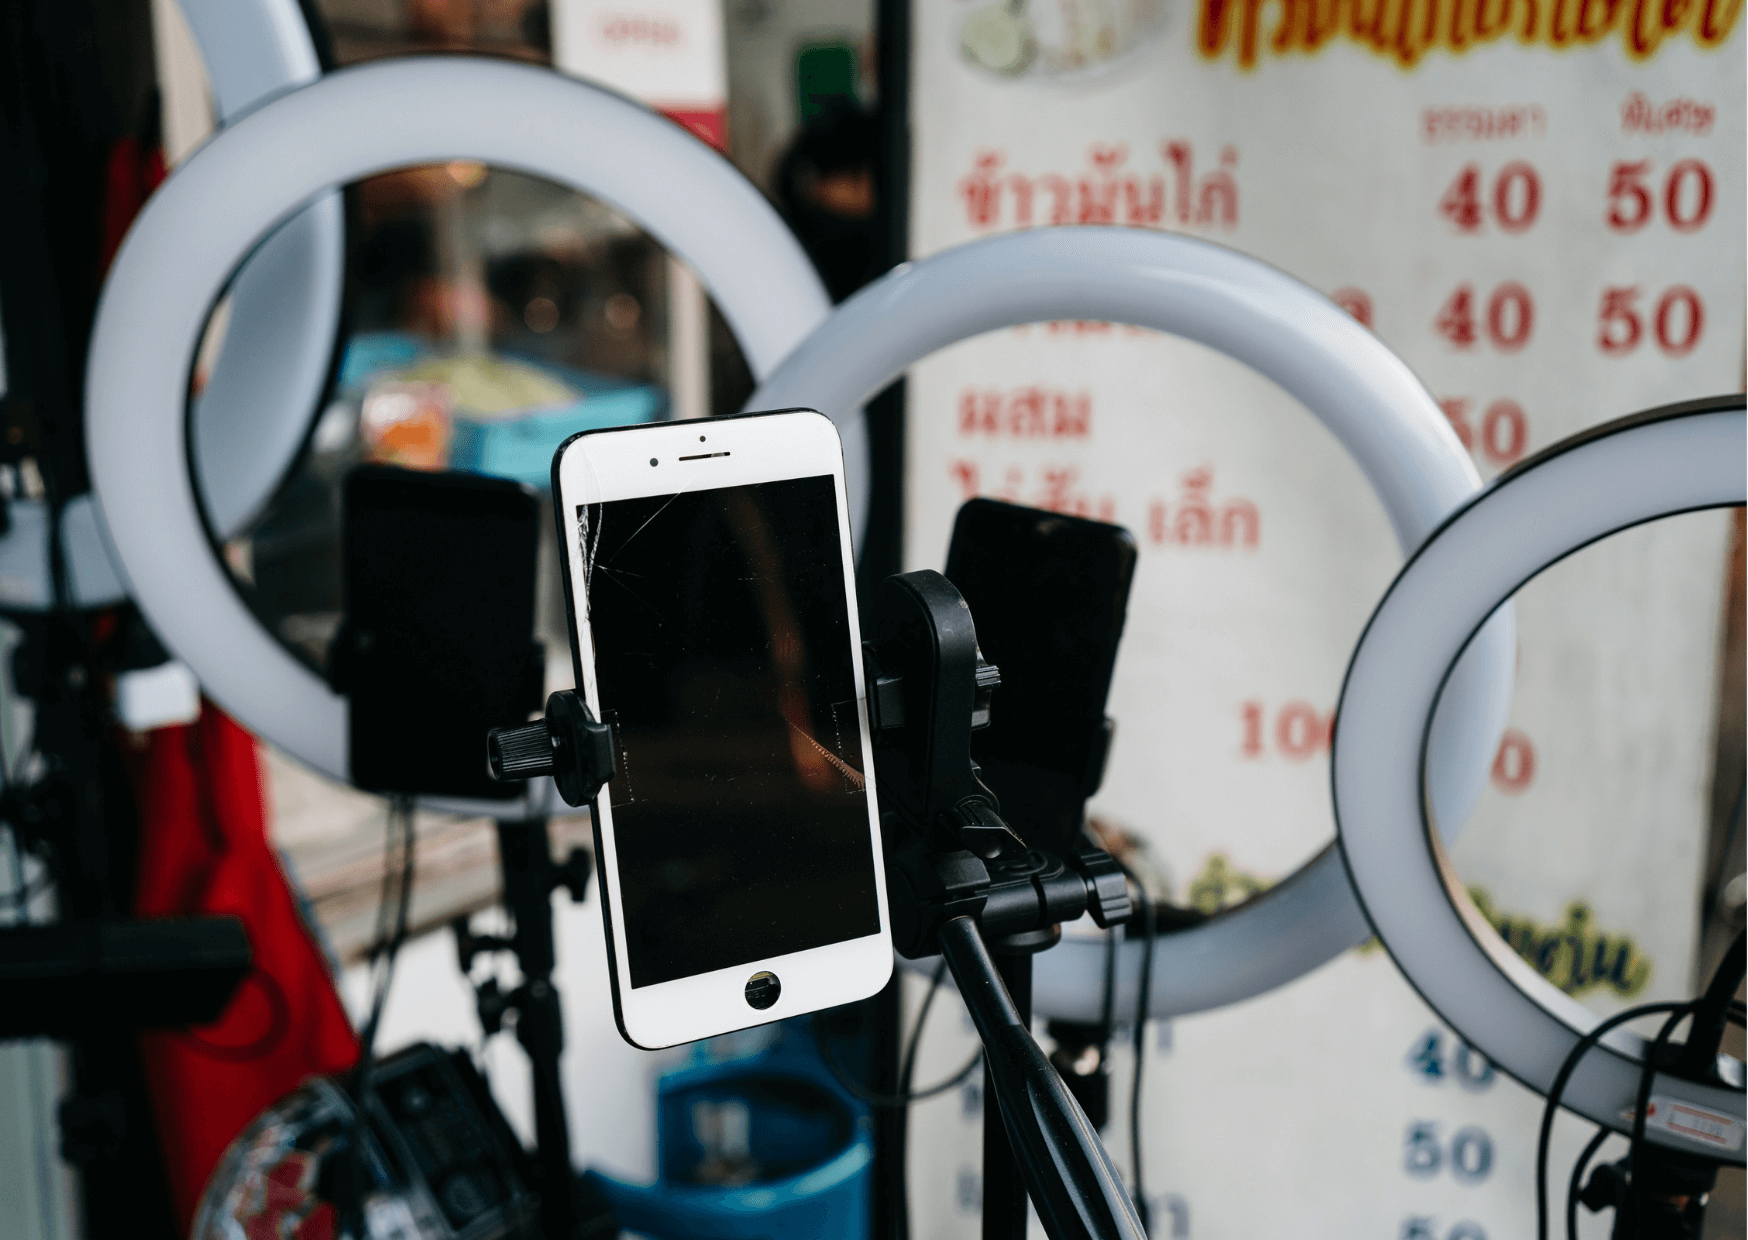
(1465,1065)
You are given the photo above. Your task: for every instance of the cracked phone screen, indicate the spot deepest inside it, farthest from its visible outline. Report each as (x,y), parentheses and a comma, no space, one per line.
(723,660)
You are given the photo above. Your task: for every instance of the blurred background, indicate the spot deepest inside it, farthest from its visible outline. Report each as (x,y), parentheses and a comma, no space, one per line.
(1548,241)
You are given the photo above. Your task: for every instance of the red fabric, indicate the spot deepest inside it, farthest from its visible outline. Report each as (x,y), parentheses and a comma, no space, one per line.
(129,178)
(204,850)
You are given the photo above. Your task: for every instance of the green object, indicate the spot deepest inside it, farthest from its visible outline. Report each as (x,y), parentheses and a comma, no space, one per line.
(823,71)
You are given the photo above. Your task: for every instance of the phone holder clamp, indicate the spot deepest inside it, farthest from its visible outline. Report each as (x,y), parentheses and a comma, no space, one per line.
(961,882)
(569,744)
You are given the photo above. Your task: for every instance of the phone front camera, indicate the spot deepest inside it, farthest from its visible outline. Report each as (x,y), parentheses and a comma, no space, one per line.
(652,460)
(762,990)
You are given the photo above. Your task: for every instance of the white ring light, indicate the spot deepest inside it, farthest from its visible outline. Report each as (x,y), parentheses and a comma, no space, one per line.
(1355,386)
(261,398)
(1655,464)
(214,211)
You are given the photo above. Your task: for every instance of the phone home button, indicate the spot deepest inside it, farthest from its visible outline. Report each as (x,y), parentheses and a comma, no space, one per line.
(763,989)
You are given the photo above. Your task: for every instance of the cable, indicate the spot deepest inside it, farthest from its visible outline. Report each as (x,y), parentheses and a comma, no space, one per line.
(905,1095)
(1710,1012)
(1648,1073)
(1108,1001)
(908,1066)
(1575,1185)
(1570,1065)
(1143,1003)
(874,1099)
(383,953)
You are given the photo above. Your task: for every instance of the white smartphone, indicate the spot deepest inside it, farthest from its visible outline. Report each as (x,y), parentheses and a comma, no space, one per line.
(709,577)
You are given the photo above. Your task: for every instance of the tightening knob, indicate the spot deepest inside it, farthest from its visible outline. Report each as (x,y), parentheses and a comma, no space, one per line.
(568,744)
(521,753)
(491,1003)
(1107,888)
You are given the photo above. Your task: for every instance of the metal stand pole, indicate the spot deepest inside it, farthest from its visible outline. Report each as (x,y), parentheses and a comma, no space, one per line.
(525,852)
(1080,1194)
(1004,1188)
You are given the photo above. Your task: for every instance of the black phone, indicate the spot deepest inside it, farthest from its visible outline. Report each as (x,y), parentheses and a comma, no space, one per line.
(437,646)
(1048,593)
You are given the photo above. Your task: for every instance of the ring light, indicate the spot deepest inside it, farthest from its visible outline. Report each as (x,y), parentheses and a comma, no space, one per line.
(182,249)
(1672,460)
(1355,386)
(261,398)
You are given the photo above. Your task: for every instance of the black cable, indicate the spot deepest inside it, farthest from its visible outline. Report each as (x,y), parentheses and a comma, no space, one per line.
(1647,1074)
(383,953)
(908,1065)
(1570,1065)
(1711,1012)
(1150,933)
(1108,1003)
(905,1095)
(871,1097)
(1576,1184)
(60,578)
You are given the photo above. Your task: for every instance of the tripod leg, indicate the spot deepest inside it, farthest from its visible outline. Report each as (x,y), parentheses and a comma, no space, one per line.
(525,851)
(1004,1188)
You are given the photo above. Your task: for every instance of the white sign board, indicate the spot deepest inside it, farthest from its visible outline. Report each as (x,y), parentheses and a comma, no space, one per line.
(1539,205)
(665,53)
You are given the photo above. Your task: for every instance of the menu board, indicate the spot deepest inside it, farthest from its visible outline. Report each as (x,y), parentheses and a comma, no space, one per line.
(1538,204)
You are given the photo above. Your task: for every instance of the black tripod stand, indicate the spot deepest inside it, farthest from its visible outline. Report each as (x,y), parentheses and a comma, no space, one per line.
(530,876)
(959,882)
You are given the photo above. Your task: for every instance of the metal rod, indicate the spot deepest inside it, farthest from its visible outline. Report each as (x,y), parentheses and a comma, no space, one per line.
(1004,1187)
(525,853)
(1078,1193)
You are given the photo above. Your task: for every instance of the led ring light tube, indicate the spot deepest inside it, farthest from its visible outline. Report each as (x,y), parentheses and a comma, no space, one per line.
(270,375)
(218,206)
(1355,386)
(1672,460)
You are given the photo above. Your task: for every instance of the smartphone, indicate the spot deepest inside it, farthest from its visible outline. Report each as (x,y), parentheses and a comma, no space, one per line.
(437,646)
(708,577)
(1049,594)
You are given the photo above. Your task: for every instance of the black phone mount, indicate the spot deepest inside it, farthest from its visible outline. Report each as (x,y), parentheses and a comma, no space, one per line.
(960,882)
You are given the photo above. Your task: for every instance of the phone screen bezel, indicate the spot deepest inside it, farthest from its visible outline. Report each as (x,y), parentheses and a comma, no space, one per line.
(614,464)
